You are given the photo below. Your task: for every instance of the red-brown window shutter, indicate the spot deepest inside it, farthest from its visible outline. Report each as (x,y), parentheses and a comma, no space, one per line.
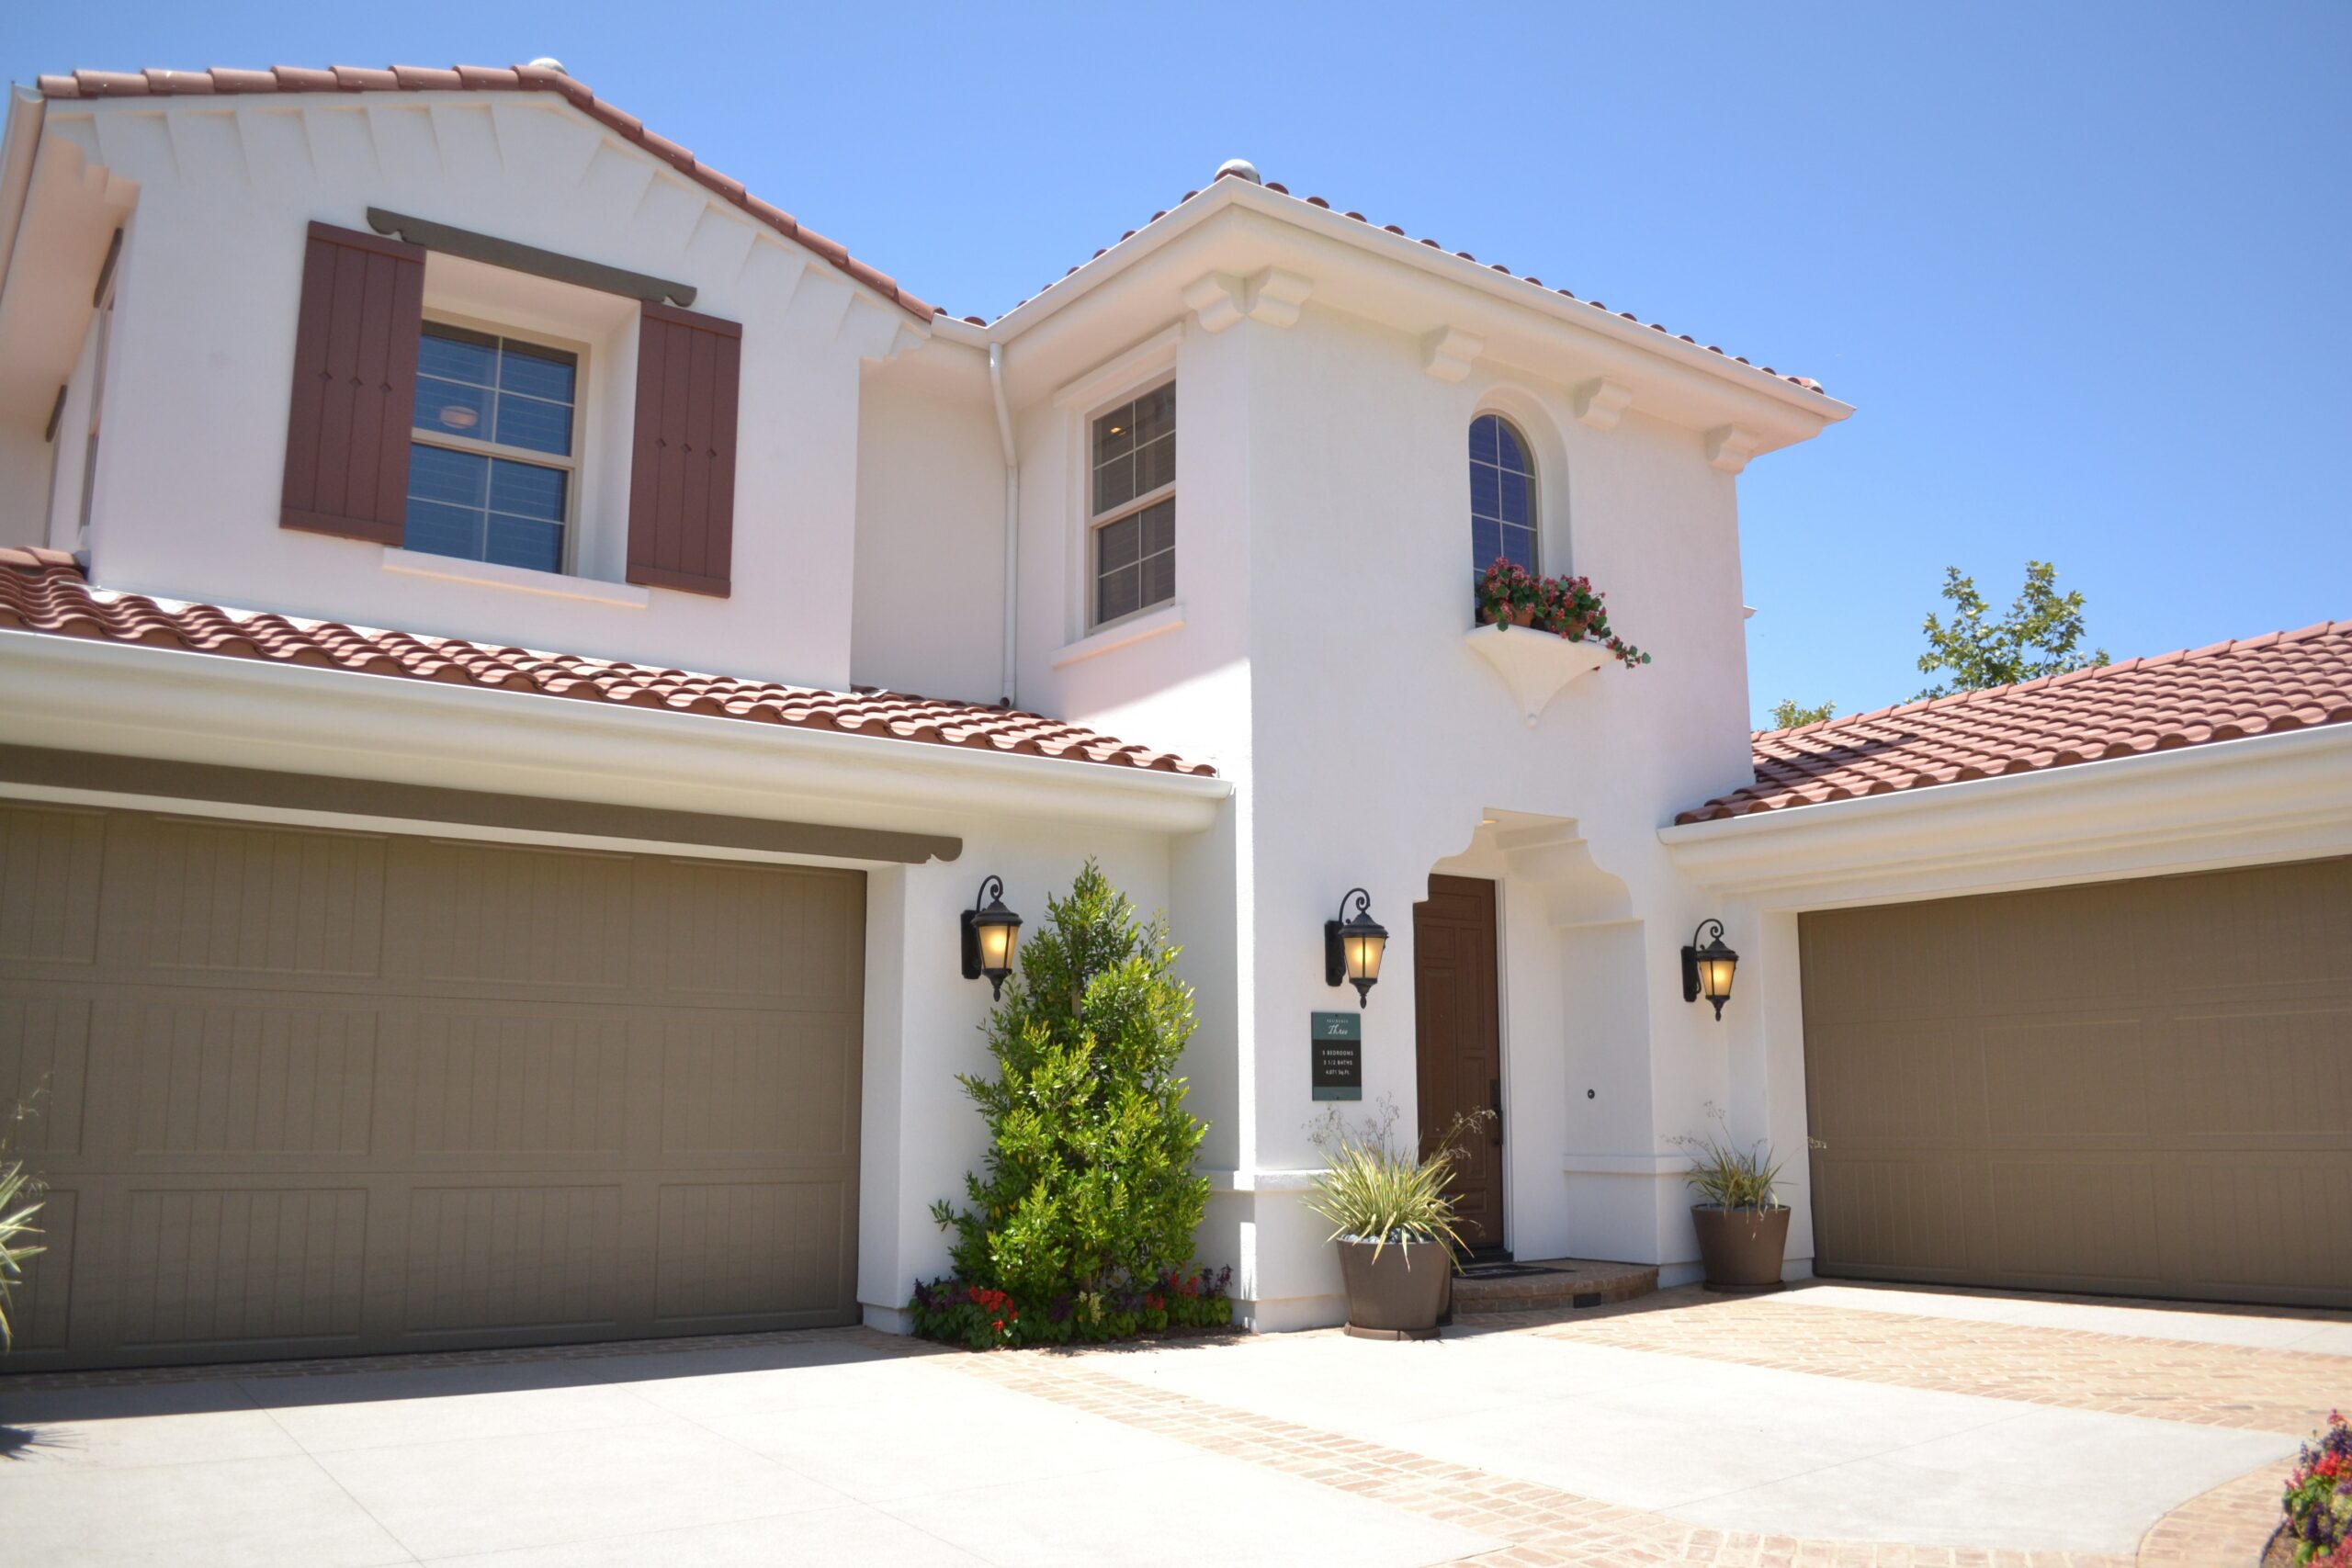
(681,471)
(354,386)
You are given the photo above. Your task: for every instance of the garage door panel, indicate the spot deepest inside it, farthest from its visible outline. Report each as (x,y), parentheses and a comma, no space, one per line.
(1871,974)
(190,897)
(2272,1225)
(1900,1214)
(255,1075)
(469,915)
(543,1258)
(230,1265)
(744,934)
(44,1066)
(2150,1090)
(1907,1083)
(727,1247)
(50,862)
(2073,1219)
(2261,927)
(758,1084)
(2258,1071)
(2076,1080)
(421,1092)
(517,1080)
(41,1304)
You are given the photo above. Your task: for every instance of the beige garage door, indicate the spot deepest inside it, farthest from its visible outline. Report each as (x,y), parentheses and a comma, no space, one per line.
(2141,1088)
(308,1093)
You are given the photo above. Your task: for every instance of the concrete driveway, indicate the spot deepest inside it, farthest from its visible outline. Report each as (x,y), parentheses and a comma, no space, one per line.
(1831,1424)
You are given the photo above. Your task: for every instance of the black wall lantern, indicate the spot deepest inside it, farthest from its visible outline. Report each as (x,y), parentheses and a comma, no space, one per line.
(1707,970)
(991,931)
(1352,947)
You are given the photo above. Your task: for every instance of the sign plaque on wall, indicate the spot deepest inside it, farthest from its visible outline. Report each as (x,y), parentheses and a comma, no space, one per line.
(1337,1057)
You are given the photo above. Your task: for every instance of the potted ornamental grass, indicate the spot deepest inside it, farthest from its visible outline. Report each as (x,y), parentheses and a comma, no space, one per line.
(1743,1226)
(1393,1222)
(1569,607)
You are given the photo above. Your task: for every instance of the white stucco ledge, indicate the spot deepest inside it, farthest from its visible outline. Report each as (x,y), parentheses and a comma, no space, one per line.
(521,579)
(1534,664)
(1675,1165)
(1121,633)
(2266,797)
(70,694)
(1262,1180)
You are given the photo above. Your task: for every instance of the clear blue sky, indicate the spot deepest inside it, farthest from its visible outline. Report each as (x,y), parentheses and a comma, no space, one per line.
(2082,269)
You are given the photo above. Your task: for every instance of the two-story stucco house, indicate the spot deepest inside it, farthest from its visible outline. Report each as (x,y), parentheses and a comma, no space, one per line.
(472,870)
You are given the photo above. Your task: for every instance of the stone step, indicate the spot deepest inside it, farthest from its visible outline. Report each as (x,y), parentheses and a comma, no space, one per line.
(1536,1286)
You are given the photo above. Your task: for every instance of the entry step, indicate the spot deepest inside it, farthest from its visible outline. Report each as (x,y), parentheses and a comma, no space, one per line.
(1550,1282)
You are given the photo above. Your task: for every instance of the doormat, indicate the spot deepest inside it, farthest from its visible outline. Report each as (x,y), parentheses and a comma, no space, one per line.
(1503,1270)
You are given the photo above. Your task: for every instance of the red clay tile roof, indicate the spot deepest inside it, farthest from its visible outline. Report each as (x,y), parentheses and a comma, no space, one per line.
(2261,685)
(476,78)
(43,590)
(1808,382)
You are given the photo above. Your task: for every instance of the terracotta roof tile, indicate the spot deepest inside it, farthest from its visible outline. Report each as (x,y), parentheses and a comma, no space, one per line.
(43,590)
(2225,691)
(477,78)
(1808,382)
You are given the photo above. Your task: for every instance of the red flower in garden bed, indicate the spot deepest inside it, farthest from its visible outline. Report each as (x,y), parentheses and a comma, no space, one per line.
(2318,1501)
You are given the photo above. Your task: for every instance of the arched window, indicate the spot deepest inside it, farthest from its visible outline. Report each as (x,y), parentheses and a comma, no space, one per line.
(1503,495)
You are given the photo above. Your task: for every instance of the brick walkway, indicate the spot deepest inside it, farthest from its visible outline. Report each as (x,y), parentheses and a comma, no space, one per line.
(2244,1389)
(2249,1389)
(2209,1385)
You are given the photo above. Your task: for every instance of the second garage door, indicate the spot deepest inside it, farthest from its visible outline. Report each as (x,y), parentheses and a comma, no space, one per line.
(2141,1088)
(308,1093)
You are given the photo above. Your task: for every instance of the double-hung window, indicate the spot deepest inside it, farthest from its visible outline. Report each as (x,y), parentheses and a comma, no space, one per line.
(1132,509)
(495,454)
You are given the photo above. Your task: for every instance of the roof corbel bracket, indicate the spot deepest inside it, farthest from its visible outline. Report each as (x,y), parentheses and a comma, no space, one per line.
(1599,403)
(1449,352)
(1729,446)
(1275,296)
(1217,299)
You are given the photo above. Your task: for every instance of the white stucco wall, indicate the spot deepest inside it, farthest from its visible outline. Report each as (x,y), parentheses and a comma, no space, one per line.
(190,471)
(1323,578)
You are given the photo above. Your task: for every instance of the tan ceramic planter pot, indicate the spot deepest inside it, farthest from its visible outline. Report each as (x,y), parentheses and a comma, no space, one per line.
(1399,1294)
(1742,1247)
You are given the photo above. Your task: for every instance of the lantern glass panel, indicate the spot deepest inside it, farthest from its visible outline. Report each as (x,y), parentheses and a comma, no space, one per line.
(1363,955)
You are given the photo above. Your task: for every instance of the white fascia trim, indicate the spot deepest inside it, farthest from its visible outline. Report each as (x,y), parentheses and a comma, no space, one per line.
(2261,798)
(168,702)
(1372,237)
(21,140)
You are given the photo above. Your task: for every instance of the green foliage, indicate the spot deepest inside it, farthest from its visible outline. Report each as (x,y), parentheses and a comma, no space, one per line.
(2041,634)
(980,1318)
(1377,1190)
(1732,1178)
(19,1195)
(1089,1195)
(1789,714)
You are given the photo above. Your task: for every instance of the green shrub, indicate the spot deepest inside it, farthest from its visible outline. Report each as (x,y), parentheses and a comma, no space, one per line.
(1088,1205)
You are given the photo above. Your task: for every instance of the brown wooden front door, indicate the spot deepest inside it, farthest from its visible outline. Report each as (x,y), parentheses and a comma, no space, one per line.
(1458,1042)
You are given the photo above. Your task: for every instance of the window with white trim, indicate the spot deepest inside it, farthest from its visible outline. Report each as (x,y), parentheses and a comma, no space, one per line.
(1502,495)
(1132,509)
(494,448)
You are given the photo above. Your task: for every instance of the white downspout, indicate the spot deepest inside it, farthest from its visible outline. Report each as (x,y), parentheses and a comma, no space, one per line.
(1011,523)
